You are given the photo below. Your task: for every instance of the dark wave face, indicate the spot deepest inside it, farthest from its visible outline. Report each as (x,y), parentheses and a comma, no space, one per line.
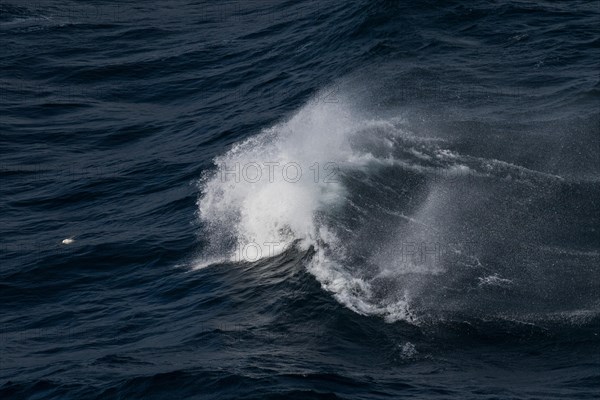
(300,200)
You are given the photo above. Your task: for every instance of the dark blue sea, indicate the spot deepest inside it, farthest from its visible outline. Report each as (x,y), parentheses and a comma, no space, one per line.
(309,199)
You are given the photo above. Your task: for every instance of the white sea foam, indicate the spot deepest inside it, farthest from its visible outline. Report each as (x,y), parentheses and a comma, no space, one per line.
(268,191)
(494,280)
(269,188)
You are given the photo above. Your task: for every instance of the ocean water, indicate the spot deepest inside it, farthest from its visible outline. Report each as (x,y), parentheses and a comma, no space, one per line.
(306,199)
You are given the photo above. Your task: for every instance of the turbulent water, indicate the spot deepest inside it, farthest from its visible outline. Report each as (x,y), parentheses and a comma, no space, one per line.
(300,200)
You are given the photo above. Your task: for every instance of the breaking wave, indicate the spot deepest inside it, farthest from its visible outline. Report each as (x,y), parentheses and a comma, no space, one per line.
(396,222)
